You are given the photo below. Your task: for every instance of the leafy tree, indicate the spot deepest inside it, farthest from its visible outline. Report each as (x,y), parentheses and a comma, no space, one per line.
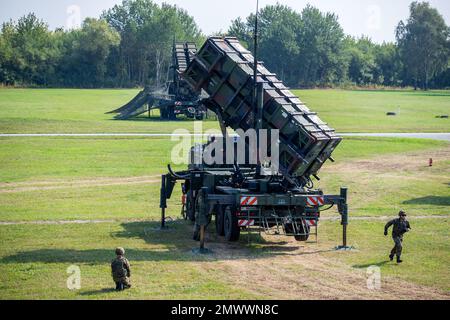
(304,49)
(28,52)
(388,64)
(321,42)
(131,45)
(424,46)
(362,66)
(147,32)
(7,57)
(86,53)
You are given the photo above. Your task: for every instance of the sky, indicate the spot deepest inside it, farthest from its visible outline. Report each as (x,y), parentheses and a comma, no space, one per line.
(374,18)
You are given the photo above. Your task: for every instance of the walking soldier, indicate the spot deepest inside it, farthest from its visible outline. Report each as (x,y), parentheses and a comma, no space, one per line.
(400,227)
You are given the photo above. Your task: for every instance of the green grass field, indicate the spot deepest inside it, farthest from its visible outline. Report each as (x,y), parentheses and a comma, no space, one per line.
(365,111)
(83,111)
(117,180)
(58,178)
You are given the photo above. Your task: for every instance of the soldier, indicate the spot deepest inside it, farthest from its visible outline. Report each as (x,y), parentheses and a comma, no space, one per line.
(400,227)
(120,269)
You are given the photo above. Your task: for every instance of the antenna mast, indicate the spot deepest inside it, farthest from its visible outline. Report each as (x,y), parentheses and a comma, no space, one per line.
(257,100)
(255,62)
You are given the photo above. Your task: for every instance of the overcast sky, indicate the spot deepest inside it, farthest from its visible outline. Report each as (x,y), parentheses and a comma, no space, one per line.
(375,18)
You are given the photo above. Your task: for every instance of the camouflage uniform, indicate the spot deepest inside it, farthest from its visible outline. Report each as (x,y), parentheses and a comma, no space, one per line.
(120,271)
(400,227)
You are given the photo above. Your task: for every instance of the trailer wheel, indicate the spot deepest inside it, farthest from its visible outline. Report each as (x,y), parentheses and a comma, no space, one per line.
(305,229)
(220,217)
(302,228)
(231,225)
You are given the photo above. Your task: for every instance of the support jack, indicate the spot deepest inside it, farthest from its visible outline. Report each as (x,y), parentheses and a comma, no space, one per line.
(202,249)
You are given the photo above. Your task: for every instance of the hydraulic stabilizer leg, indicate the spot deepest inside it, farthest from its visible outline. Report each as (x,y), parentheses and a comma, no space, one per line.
(202,238)
(343,211)
(203,221)
(163,202)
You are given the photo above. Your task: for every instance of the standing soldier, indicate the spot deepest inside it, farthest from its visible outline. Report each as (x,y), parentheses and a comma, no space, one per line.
(120,269)
(400,227)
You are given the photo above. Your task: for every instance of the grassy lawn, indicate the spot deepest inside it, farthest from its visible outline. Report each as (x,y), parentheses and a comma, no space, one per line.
(76,111)
(390,176)
(67,179)
(83,111)
(164,267)
(117,179)
(29,159)
(425,251)
(365,111)
(162,263)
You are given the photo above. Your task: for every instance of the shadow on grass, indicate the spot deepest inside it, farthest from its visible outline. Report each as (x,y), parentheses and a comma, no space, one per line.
(151,119)
(364,266)
(433,200)
(158,119)
(426,94)
(173,244)
(410,92)
(97,292)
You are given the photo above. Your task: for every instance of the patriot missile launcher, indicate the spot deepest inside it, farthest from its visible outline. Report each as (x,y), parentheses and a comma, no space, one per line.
(176,98)
(241,195)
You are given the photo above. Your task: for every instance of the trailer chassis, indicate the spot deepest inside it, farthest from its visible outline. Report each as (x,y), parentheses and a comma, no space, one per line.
(275,213)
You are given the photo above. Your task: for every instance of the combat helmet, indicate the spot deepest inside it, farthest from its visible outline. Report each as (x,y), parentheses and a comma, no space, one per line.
(120,251)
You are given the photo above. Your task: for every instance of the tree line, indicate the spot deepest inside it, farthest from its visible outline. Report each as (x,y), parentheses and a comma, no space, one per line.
(130,45)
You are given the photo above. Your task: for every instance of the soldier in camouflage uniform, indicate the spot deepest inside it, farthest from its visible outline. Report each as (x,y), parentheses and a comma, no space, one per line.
(400,227)
(120,269)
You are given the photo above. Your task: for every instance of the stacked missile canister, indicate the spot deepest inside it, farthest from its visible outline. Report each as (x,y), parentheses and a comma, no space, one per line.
(224,69)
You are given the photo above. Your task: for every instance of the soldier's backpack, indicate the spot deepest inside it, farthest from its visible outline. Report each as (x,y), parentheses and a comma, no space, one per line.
(118,268)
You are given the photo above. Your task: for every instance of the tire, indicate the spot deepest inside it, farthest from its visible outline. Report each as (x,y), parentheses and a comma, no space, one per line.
(303,228)
(231,226)
(220,220)
(289,228)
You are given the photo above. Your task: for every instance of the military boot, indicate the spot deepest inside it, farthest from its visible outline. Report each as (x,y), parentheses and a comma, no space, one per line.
(391,257)
(119,286)
(399,260)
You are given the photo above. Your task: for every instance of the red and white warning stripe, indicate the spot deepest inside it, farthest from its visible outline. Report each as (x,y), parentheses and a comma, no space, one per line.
(315,201)
(178,103)
(311,223)
(249,201)
(246,223)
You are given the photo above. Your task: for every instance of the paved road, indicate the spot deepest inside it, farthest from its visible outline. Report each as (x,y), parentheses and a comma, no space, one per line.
(433,136)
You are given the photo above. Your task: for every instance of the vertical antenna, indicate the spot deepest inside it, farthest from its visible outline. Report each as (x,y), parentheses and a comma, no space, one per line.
(255,62)
(257,111)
